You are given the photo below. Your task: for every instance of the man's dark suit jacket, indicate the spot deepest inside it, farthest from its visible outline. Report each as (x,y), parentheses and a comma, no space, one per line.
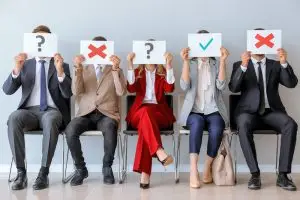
(246,83)
(60,92)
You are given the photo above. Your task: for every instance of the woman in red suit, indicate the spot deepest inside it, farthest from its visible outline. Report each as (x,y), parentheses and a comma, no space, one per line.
(150,113)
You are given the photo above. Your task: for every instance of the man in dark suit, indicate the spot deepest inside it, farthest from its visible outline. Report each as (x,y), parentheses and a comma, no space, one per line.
(258,79)
(46,92)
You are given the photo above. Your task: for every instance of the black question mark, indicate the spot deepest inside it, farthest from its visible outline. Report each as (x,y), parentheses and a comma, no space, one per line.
(150,49)
(42,41)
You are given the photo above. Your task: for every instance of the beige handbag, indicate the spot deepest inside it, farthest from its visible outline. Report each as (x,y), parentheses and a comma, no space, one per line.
(222,168)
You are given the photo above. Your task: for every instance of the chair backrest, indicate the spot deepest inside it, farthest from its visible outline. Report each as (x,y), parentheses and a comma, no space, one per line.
(233,102)
(130,100)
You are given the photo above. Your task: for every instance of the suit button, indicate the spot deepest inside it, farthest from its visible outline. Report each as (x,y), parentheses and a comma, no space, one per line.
(97,94)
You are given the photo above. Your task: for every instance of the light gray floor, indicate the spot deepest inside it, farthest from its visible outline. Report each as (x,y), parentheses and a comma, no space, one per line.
(162,188)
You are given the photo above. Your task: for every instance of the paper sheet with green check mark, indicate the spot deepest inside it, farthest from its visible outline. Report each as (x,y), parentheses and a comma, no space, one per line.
(205,44)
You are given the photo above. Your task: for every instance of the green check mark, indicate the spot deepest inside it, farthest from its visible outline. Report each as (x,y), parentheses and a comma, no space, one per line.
(205,46)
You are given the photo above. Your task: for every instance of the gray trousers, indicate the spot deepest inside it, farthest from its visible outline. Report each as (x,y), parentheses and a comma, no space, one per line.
(33,119)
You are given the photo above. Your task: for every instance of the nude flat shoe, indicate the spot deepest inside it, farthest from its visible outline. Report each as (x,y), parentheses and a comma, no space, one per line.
(207,178)
(195,181)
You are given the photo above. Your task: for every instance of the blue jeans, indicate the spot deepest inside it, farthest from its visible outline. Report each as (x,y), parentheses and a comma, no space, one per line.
(215,125)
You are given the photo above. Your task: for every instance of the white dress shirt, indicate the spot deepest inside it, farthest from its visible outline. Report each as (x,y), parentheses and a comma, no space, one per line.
(150,83)
(99,69)
(263,70)
(34,99)
(205,102)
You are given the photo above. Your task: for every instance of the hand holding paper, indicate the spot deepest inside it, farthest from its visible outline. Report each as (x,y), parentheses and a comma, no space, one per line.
(246,56)
(130,58)
(224,54)
(282,55)
(19,63)
(115,62)
(169,59)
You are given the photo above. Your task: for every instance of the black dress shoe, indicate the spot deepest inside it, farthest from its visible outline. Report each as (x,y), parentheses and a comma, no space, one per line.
(254,183)
(285,183)
(80,175)
(41,182)
(108,176)
(20,182)
(145,185)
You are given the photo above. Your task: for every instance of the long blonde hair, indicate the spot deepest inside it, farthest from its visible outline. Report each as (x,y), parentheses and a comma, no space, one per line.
(160,70)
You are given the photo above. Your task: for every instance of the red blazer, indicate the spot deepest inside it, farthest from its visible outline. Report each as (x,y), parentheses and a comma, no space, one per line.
(161,87)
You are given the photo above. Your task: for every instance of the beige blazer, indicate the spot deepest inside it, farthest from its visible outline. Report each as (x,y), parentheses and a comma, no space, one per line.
(103,94)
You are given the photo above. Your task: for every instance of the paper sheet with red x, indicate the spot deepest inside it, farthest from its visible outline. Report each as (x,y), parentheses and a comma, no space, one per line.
(264,41)
(97,52)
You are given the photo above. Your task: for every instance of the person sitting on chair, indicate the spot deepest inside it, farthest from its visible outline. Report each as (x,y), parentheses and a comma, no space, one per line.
(45,104)
(149,113)
(203,107)
(258,79)
(97,89)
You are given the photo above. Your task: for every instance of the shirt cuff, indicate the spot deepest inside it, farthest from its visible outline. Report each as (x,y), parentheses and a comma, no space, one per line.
(15,76)
(130,77)
(170,76)
(285,65)
(244,69)
(61,79)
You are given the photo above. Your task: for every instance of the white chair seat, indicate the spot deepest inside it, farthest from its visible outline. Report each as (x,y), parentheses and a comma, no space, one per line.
(184,132)
(187,132)
(92,133)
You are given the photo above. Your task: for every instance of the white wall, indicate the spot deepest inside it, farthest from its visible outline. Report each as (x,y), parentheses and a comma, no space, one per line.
(124,21)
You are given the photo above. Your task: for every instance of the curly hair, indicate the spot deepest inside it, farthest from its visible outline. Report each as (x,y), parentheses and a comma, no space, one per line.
(160,70)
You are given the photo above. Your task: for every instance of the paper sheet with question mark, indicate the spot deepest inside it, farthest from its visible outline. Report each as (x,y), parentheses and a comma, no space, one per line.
(149,52)
(40,44)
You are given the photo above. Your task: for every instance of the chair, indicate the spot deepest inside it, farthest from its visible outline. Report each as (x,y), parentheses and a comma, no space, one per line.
(94,133)
(35,132)
(130,131)
(262,130)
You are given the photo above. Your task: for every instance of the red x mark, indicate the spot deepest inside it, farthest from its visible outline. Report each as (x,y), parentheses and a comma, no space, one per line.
(97,51)
(264,40)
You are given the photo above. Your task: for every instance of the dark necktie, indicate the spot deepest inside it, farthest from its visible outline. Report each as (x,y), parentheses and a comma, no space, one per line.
(261,109)
(43,91)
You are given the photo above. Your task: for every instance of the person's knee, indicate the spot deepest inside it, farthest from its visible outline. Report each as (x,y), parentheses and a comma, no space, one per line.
(71,129)
(292,125)
(52,119)
(195,123)
(15,117)
(216,133)
(244,122)
(109,125)
(146,110)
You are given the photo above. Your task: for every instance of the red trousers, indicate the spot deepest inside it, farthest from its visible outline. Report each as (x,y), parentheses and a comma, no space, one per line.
(148,120)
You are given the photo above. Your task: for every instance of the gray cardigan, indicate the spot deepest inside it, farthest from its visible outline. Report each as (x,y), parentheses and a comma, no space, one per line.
(191,89)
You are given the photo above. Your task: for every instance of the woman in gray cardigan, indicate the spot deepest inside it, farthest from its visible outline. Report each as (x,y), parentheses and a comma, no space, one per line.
(203,80)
